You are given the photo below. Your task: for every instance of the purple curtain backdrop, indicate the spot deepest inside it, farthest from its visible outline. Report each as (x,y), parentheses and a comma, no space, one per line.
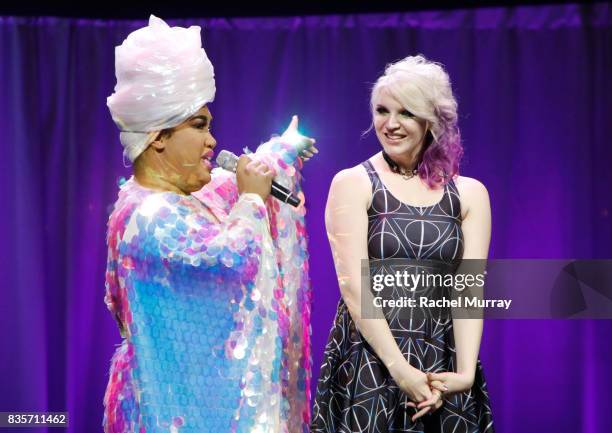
(535,98)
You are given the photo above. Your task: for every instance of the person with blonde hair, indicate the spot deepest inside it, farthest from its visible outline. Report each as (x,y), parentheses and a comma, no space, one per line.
(403,372)
(210,295)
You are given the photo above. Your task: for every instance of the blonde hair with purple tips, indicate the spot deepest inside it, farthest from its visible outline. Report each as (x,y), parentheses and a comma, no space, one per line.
(423,87)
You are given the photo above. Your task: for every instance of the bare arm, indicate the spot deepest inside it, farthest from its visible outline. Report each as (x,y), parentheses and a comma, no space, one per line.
(476,227)
(347,224)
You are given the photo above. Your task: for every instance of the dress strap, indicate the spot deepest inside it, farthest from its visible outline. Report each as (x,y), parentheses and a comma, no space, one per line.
(452,187)
(451,200)
(372,174)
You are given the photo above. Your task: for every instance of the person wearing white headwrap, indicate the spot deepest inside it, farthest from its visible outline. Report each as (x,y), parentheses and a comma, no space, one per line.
(206,277)
(163,77)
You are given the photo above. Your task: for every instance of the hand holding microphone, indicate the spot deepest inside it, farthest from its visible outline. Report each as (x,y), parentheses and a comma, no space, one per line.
(257,177)
(253,176)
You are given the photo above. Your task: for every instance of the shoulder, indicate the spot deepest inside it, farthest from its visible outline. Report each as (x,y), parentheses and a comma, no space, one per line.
(165,216)
(351,184)
(470,187)
(136,200)
(355,178)
(164,209)
(472,192)
(356,174)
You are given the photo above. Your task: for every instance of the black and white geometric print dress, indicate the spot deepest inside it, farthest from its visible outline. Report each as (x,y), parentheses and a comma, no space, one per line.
(355,392)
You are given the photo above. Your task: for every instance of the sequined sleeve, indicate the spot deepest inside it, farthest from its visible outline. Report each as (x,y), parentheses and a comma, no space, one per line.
(221,193)
(185,234)
(282,156)
(288,230)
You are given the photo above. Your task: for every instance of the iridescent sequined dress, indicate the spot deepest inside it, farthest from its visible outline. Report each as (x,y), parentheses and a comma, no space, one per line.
(213,301)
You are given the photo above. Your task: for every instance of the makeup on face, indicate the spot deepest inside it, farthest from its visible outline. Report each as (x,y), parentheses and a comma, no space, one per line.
(398,130)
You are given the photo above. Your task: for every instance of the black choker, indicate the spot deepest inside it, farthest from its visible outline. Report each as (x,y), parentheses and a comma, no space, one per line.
(395,168)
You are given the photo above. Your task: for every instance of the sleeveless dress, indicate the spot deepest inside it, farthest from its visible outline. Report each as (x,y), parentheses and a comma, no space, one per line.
(355,392)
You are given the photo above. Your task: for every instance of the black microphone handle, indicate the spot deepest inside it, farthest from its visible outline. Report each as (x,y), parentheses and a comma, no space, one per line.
(284,195)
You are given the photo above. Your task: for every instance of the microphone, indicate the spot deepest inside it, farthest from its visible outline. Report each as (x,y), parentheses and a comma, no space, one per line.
(228,161)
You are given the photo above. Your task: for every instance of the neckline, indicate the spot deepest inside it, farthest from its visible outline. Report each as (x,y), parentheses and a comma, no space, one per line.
(401,201)
(154,190)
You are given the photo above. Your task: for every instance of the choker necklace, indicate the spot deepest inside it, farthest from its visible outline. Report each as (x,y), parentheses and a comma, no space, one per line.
(395,168)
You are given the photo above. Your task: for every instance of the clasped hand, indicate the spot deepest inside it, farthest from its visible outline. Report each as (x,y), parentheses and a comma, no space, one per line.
(427,390)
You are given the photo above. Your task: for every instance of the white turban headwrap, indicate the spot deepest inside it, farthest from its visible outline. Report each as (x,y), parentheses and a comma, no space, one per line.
(163,77)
